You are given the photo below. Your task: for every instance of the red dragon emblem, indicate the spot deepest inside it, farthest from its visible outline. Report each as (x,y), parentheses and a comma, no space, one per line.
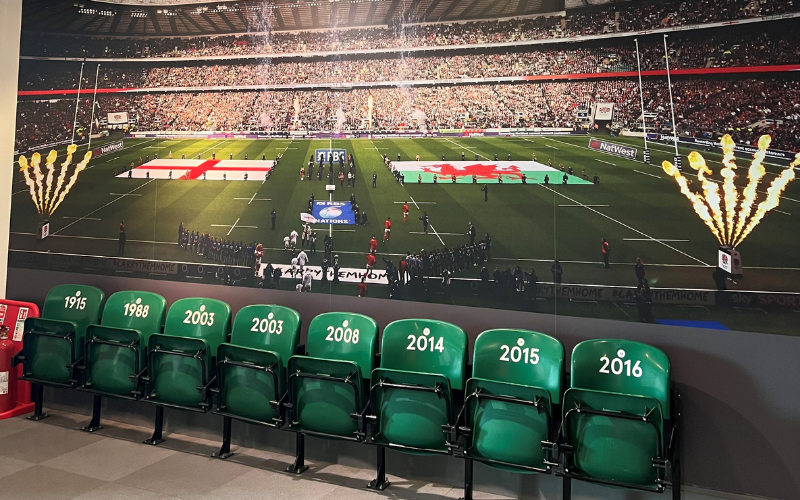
(480,170)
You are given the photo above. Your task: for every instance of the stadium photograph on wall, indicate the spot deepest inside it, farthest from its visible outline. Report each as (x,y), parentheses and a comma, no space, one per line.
(552,156)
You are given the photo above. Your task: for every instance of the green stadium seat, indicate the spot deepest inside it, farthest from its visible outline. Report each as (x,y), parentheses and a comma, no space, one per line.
(618,427)
(507,420)
(412,393)
(329,386)
(251,369)
(53,343)
(115,350)
(180,362)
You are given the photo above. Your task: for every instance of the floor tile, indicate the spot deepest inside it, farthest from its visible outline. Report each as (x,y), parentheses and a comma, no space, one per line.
(43,442)
(12,425)
(114,491)
(267,485)
(185,476)
(10,466)
(43,483)
(109,459)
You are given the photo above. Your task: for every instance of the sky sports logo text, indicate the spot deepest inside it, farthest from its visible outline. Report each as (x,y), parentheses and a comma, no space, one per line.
(613,149)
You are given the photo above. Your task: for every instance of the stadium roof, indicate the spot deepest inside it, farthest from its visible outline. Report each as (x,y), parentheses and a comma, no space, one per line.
(201,17)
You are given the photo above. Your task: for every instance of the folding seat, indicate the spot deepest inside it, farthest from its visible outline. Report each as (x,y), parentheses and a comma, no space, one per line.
(412,394)
(618,424)
(180,362)
(508,418)
(251,369)
(328,387)
(115,350)
(52,344)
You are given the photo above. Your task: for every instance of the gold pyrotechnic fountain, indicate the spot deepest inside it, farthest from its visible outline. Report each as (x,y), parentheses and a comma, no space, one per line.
(731,216)
(45,195)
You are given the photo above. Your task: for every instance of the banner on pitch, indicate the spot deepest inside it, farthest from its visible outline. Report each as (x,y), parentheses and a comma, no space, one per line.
(613,149)
(105,149)
(328,155)
(333,212)
(118,118)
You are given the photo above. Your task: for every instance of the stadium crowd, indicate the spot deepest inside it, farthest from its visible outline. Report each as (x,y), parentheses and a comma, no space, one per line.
(638,16)
(726,50)
(745,108)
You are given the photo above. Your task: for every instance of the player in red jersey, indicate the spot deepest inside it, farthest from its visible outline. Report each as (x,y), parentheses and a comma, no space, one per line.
(373,245)
(387,228)
(405,212)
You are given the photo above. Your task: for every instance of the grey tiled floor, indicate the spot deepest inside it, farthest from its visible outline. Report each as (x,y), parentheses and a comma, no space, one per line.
(54,460)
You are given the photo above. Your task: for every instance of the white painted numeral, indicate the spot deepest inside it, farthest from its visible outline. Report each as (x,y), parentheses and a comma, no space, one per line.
(343,334)
(201,317)
(425,342)
(519,353)
(620,366)
(268,325)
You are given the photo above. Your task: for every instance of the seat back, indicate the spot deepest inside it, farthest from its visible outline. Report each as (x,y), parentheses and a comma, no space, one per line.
(116,349)
(422,361)
(199,318)
(181,359)
(624,367)
(520,357)
(67,311)
(617,378)
(268,328)
(339,345)
(426,346)
(252,367)
(528,367)
(79,304)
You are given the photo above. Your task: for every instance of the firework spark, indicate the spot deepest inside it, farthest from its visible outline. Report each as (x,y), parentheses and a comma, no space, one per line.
(729,225)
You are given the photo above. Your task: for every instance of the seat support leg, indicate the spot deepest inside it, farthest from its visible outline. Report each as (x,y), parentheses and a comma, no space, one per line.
(566,488)
(94,425)
(467,479)
(225,450)
(299,466)
(676,480)
(380,483)
(38,397)
(158,428)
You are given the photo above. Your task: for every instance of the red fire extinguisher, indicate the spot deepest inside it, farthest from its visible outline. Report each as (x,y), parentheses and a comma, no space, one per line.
(8,391)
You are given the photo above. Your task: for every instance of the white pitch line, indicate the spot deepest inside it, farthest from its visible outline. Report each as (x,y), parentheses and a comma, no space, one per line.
(446,234)
(462,147)
(254,199)
(112,159)
(104,206)
(417,203)
(437,234)
(651,175)
(124,194)
(781,211)
(627,226)
(583,205)
(414,202)
(81,218)
(20,191)
(650,239)
(606,162)
(344,231)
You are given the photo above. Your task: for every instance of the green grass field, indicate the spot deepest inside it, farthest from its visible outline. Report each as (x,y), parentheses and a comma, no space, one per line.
(530,225)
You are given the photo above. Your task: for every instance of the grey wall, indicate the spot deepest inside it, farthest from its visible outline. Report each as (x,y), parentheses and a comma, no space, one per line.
(740,391)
